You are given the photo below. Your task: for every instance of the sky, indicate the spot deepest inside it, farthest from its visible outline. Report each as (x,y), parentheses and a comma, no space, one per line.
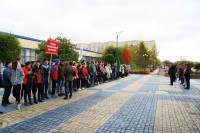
(173,24)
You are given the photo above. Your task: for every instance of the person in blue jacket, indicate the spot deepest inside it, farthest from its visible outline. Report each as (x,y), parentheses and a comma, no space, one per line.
(7,73)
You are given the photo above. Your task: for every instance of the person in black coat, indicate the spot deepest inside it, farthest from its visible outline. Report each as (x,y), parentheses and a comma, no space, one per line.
(187,76)
(181,74)
(172,73)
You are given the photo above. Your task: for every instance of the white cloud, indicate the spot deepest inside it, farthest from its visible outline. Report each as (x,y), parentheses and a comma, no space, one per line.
(174,24)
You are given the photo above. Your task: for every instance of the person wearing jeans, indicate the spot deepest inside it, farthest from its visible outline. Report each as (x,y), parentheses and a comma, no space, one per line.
(45,74)
(54,77)
(69,77)
(17,80)
(61,78)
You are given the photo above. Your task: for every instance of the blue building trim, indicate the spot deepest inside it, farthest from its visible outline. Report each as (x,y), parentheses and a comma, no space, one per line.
(23,37)
(37,40)
(88,51)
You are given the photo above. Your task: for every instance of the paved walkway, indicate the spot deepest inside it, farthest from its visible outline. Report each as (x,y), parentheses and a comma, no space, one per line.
(138,103)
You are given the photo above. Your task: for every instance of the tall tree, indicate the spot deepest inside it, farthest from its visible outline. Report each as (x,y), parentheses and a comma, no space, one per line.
(65,52)
(142,55)
(10,47)
(126,56)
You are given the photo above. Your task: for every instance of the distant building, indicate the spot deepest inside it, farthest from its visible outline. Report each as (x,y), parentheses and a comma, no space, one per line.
(98,46)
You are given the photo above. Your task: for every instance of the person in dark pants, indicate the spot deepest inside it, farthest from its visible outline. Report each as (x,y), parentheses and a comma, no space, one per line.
(54,77)
(75,88)
(69,77)
(27,82)
(172,73)
(61,78)
(37,83)
(7,73)
(45,74)
(187,76)
(16,80)
(79,67)
(181,74)
(83,76)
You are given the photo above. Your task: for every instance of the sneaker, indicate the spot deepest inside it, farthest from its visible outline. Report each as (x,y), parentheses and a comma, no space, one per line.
(26,104)
(4,104)
(65,98)
(70,97)
(31,103)
(47,97)
(1,112)
(8,103)
(79,89)
(83,88)
(40,100)
(35,102)
(18,106)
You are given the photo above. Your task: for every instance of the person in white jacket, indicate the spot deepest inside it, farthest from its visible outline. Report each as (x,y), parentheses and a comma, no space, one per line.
(17,80)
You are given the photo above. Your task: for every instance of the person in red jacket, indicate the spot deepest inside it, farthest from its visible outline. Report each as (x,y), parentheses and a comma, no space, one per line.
(37,83)
(83,76)
(27,82)
(54,77)
(75,88)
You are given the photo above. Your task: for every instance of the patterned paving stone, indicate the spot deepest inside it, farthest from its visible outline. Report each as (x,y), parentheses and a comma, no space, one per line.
(137,115)
(35,110)
(176,116)
(91,119)
(51,119)
(128,105)
(169,88)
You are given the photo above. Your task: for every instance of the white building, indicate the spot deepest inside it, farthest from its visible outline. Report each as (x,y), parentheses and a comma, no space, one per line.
(98,46)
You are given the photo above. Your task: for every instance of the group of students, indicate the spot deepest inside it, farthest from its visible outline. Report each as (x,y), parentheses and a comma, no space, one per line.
(32,79)
(184,74)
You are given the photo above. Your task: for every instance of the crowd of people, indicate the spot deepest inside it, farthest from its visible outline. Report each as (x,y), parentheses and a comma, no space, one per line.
(183,72)
(33,82)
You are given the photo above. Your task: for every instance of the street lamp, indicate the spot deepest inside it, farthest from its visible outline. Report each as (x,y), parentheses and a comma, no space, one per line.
(118,36)
(145,55)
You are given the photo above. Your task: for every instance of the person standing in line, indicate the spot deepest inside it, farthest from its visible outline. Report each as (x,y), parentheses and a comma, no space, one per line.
(61,78)
(17,80)
(94,74)
(89,76)
(54,77)
(7,73)
(45,74)
(69,77)
(37,83)
(83,76)
(181,74)
(27,82)
(172,73)
(187,76)
(79,67)
(75,88)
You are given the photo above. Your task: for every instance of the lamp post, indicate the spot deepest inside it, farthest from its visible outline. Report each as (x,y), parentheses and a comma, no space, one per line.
(118,37)
(145,55)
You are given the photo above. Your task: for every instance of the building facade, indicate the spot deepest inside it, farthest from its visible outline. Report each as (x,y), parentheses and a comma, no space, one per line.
(98,46)
(29,45)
